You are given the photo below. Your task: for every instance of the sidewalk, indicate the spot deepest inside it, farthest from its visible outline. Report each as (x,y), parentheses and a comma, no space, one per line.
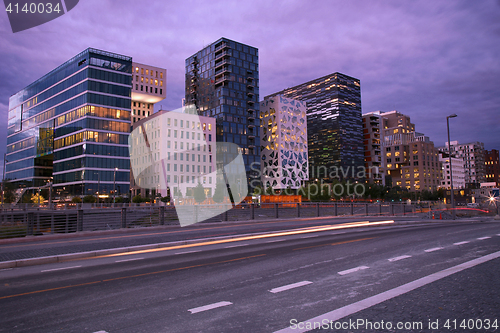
(53,248)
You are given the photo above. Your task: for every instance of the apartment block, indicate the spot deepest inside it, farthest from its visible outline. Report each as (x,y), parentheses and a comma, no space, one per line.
(373,151)
(335,133)
(283,133)
(457,169)
(222,81)
(149,87)
(474,159)
(492,166)
(411,159)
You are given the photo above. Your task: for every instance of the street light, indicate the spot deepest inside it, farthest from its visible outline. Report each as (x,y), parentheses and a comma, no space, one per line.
(114,186)
(449,159)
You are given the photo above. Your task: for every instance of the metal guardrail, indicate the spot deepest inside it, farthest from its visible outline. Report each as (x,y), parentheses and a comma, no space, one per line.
(30,220)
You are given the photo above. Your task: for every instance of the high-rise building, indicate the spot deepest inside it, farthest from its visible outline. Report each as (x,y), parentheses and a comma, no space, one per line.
(149,86)
(334,127)
(372,141)
(492,165)
(222,81)
(185,142)
(411,160)
(283,133)
(473,156)
(71,127)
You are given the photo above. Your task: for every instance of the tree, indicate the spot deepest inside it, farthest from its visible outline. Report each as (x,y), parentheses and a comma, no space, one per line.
(219,192)
(36,197)
(76,200)
(89,199)
(118,200)
(165,199)
(199,193)
(258,190)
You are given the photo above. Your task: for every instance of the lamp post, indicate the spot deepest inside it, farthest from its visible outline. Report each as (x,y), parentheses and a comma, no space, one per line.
(449,158)
(114,185)
(3,175)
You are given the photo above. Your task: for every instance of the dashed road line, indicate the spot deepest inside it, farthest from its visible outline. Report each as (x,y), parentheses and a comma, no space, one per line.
(433,249)
(276,240)
(399,258)
(483,238)
(133,259)
(187,252)
(309,236)
(290,286)
(228,247)
(352,270)
(59,269)
(209,307)
(461,243)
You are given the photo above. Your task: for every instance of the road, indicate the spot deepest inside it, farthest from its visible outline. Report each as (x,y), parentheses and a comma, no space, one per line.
(406,273)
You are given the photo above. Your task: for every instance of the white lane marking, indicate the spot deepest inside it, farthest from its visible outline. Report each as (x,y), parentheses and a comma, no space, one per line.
(483,238)
(366,303)
(461,243)
(59,269)
(228,247)
(306,266)
(133,259)
(433,249)
(209,307)
(276,240)
(187,252)
(309,236)
(399,258)
(290,286)
(352,270)
(5,269)
(99,331)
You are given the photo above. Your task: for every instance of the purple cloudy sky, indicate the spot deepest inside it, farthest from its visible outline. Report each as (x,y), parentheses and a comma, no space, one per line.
(427,59)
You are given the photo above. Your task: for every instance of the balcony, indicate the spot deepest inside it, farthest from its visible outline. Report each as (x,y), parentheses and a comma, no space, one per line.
(222,79)
(222,70)
(221,55)
(222,46)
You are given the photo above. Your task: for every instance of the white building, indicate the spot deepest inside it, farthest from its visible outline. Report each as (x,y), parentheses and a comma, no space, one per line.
(149,86)
(458,171)
(173,150)
(283,135)
(472,155)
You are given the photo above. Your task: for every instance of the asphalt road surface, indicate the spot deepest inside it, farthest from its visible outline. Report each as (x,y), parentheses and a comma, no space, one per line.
(399,274)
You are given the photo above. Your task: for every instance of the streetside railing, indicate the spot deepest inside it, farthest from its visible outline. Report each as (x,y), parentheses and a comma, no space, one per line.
(31,220)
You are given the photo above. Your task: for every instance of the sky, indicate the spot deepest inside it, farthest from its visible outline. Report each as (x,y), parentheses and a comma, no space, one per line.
(426,59)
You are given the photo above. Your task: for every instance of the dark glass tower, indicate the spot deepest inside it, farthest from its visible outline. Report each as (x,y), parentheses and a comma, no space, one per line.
(72,125)
(334,125)
(222,81)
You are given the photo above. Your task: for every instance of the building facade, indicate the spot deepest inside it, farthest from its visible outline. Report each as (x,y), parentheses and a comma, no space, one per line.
(283,133)
(181,148)
(149,86)
(372,143)
(492,166)
(71,127)
(222,81)
(411,160)
(335,133)
(458,170)
(473,156)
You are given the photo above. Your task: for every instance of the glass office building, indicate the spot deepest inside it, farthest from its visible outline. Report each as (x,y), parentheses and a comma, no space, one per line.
(71,127)
(334,125)
(222,81)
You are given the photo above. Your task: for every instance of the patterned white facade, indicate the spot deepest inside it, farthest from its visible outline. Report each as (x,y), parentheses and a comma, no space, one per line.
(283,133)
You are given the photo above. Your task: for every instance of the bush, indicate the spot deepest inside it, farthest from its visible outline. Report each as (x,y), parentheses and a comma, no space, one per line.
(119,200)
(165,199)
(199,193)
(76,200)
(138,199)
(89,199)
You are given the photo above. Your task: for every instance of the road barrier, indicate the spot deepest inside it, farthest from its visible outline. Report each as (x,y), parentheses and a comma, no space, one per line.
(31,220)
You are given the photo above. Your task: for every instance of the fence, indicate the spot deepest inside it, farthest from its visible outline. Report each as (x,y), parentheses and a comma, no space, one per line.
(27,220)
